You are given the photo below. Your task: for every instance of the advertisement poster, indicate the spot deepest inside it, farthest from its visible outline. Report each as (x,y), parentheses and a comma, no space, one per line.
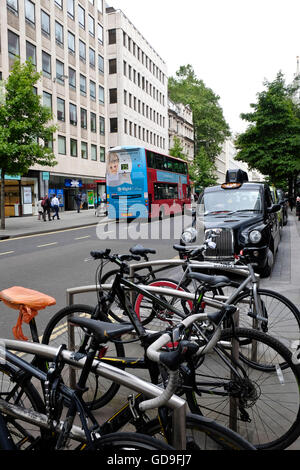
(27,195)
(126,172)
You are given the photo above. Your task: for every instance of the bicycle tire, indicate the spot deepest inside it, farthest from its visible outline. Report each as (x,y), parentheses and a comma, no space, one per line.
(100,391)
(203,434)
(156,317)
(129,441)
(273,410)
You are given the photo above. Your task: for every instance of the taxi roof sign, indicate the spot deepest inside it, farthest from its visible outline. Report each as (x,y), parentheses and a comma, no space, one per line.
(236,176)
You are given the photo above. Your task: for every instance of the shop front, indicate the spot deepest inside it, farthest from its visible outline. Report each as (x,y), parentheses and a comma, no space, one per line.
(21,195)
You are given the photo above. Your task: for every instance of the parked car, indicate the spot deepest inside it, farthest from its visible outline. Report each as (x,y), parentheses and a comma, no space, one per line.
(240,214)
(284,202)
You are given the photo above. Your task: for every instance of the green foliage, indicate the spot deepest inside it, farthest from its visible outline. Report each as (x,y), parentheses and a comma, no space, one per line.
(202,170)
(210,126)
(177,149)
(271,143)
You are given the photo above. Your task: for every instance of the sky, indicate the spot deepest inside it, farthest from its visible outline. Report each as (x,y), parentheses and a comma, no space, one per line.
(232,45)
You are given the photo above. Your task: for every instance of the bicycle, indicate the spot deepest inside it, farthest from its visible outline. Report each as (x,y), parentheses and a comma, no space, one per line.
(244,378)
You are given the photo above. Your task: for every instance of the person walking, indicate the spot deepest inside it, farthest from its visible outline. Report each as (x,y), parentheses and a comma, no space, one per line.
(298,207)
(40,209)
(55,205)
(46,205)
(291,202)
(78,201)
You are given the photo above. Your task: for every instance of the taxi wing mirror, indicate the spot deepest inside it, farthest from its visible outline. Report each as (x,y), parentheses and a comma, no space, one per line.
(274,208)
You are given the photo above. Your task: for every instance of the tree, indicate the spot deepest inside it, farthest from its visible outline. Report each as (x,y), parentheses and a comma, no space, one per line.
(203,170)
(177,149)
(210,126)
(24,133)
(271,143)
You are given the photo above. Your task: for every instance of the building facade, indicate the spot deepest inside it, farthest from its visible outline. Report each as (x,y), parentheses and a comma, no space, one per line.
(65,41)
(181,125)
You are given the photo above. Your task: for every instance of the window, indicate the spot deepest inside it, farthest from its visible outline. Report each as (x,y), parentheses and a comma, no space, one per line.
(100,63)
(93,122)
(45,23)
(60,73)
(13,5)
(73,147)
(92,90)
(71,42)
(101,94)
(82,50)
(84,153)
(60,109)
(113,125)
(112,36)
(92,56)
(61,142)
(91,1)
(100,33)
(102,154)
(82,85)
(93,152)
(72,78)
(112,65)
(71,10)
(13,44)
(91,25)
(47,100)
(59,3)
(81,16)
(30,11)
(31,52)
(113,96)
(59,33)
(46,64)
(101,125)
(73,114)
(165,191)
(100,5)
(83,118)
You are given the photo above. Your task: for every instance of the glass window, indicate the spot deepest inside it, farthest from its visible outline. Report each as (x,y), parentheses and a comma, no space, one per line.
(59,33)
(113,125)
(83,118)
(73,114)
(81,16)
(60,73)
(13,5)
(73,147)
(92,55)
(72,78)
(100,33)
(102,125)
(93,122)
(100,5)
(113,96)
(82,50)
(100,63)
(30,11)
(71,42)
(112,65)
(13,44)
(102,154)
(82,85)
(91,26)
(46,64)
(31,52)
(84,153)
(91,1)
(60,109)
(112,36)
(71,10)
(92,90)
(59,3)
(93,152)
(61,141)
(47,100)
(45,23)
(101,94)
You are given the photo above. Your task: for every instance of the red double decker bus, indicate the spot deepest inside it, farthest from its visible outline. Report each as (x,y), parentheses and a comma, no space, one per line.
(144,183)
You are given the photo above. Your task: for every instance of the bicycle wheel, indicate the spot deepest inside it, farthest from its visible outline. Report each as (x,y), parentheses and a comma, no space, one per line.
(129,441)
(203,434)
(100,390)
(157,317)
(264,406)
(17,390)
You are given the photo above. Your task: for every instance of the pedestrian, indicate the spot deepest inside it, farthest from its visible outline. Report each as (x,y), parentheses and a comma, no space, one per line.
(298,207)
(46,205)
(55,205)
(104,197)
(78,201)
(40,209)
(291,202)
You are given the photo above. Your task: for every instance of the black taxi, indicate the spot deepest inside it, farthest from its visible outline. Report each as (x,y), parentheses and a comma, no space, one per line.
(239,214)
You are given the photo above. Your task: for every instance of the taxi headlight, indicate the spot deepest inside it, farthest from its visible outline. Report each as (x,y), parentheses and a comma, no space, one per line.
(189,235)
(255,236)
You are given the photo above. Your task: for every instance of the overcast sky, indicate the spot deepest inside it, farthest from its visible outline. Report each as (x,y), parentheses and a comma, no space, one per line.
(233,45)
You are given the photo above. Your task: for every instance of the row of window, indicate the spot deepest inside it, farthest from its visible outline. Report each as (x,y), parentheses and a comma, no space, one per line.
(139,132)
(138,106)
(14,6)
(138,53)
(143,83)
(162,162)
(84,152)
